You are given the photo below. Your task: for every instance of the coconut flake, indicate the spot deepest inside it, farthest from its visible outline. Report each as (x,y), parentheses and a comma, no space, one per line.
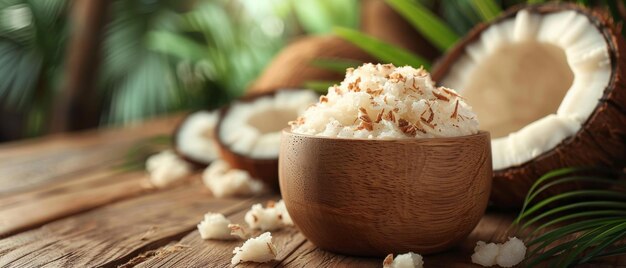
(407,260)
(166,168)
(223,181)
(273,217)
(259,249)
(508,254)
(195,137)
(215,226)
(239,231)
(282,210)
(385,102)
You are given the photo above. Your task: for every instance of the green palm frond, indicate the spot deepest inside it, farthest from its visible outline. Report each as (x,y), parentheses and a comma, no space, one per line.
(488,9)
(320,86)
(593,218)
(335,65)
(428,24)
(384,51)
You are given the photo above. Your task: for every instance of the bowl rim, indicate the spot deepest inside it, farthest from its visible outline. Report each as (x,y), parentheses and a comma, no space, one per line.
(480,133)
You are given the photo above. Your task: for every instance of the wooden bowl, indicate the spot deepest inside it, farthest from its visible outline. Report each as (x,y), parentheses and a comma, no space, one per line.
(375,197)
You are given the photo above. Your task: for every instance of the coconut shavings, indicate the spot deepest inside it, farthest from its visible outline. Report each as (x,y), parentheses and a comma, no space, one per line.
(508,254)
(239,231)
(407,260)
(215,226)
(386,102)
(166,168)
(224,181)
(273,217)
(259,249)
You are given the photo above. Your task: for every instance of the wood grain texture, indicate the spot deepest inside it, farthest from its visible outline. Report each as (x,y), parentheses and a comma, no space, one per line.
(216,253)
(114,234)
(372,197)
(31,209)
(28,165)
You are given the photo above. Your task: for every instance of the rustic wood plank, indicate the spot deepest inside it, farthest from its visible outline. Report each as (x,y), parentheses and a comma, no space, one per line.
(490,226)
(214,253)
(113,234)
(33,164)
(33,209)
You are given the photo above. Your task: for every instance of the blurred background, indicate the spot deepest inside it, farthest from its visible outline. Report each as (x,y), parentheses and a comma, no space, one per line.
(71,65)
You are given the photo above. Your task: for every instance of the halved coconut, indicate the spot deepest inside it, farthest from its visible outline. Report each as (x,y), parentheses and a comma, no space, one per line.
(194,138)
(547,82)
(248,131)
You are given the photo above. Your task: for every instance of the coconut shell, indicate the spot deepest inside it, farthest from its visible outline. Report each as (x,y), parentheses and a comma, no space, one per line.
(265,170)
(195,163)
(292,67)
(601,140)
(379,20)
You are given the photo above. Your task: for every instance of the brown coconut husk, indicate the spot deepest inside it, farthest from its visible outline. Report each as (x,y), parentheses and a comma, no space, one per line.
(380,20)
(292,67)
(601,141)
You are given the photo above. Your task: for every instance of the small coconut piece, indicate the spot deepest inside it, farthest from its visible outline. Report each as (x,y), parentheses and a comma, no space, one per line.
(407,260)
(282,210)
(223,181)
(264,219)
(194,138)
(166,168)
(485,254)
(239,231)
(508,254)
(259,249)
(511,253)
(248,131)
(215,226)
(548,82)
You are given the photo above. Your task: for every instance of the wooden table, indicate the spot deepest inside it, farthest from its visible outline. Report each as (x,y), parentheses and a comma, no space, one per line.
(64,203)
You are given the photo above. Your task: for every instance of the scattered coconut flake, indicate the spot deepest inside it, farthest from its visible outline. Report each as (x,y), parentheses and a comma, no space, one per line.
(223,181)
(407,260)
(280,207)
(166,168)
(511,253)
(485,254)
(239,231)
(273,217)
(259,249)
(194,138)
(386,102)
(215,226)
(508,254)
(267,219)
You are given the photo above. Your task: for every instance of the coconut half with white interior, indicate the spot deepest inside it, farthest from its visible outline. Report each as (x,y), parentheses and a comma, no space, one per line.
(248,131)
(194,138)
(547,82)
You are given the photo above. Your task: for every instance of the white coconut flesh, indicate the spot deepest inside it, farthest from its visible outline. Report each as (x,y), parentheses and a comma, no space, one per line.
(195,137)
(533,80)
(253,128)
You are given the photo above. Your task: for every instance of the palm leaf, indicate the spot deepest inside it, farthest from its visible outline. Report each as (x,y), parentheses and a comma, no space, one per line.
(383,51)
(594,218)
(320,86)
(488,9)
(428,24)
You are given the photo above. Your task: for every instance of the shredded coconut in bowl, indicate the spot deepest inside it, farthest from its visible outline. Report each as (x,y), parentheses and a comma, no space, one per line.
(386,102)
